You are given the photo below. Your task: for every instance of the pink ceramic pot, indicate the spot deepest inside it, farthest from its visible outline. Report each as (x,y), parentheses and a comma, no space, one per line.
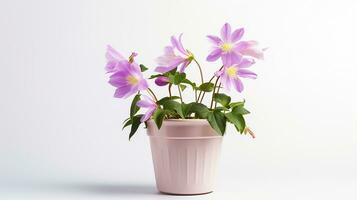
(185,154)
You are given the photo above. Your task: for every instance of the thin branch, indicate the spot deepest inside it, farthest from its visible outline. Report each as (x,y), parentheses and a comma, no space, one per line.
(170,85)
(199,95)
(219,87)
(200,68)
(153,94)
(179,89)
(214,90)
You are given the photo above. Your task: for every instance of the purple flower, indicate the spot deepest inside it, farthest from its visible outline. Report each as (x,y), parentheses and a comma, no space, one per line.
(172,59)
(148,103)
(162,81)
(228,47)
(114,59)
(128,80)
(231,73)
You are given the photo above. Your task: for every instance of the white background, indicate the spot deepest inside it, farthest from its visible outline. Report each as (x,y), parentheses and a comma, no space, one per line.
(60,128)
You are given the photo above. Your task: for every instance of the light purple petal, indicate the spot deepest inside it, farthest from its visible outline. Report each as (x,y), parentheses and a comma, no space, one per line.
(183,50)
(184,65)
(226,32)
(231,58)
(178,44)
(241,46)
(144,104)
(225,81)
(122,67)
(254,52)
(113,60)
(162,69)
(111,66)
(214,39)
(169,50)
(173,65)
(247,74)
(112,54)
(124,91)
(117,82)
(122,73)
(147,115)
(143,84)
(246,62)
(237,35)
(238,85)
(214,55)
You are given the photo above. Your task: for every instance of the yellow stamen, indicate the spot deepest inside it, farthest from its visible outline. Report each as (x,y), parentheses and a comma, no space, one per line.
(231,71)
(190,56)
(132,80)
(226,47)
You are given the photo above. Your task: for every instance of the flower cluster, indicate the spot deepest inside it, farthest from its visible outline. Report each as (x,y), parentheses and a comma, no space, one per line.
(236,56)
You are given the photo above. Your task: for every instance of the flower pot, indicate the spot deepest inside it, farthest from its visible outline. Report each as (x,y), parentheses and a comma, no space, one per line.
(185,153)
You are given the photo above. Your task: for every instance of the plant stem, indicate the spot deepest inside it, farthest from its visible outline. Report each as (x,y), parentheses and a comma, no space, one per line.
(179,90)
(199,95)
(170,85)
(214,90)
(152,93)
(203,95)
(200,68)
(219,87)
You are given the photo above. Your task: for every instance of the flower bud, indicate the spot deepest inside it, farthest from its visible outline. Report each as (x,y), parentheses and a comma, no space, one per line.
(161,80)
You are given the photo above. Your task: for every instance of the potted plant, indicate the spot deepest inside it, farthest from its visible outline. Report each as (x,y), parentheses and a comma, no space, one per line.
(185,136)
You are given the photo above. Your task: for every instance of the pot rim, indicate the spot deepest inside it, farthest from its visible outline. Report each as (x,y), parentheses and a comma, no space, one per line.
(183,120)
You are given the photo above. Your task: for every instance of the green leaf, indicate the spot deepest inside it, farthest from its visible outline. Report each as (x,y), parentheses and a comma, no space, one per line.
(155,76)
(239,103)
(206,87)
(186,109)
(220,108)
(158,117)
(177,78)
(186,81)
(198,108)
(163,100)
(173,71)
(143,68)
(240,110)
(217,120)
(223,99)
(171,105)
(134,108)
(135,125)
(127,123)
(182,87)
(237,120)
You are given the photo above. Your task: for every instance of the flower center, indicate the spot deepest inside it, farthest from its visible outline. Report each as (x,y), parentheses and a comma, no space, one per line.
(231,71)
(190,56)
(226,47)
(132,80)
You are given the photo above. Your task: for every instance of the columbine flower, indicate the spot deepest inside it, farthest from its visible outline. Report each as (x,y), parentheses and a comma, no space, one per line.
(148,103)
(231,73)
(170,60)
(162,81)
(128,80)
(228,47)
(114,59)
